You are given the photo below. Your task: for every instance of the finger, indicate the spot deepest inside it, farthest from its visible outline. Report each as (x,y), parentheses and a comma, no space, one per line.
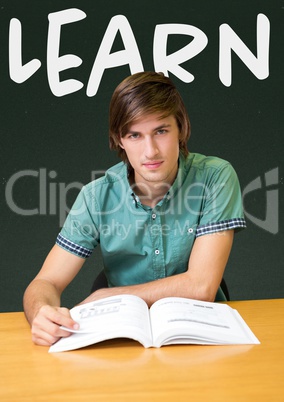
(48,333)
(59,316)
(42,336)
(45,331)
(66,312)
(44,339)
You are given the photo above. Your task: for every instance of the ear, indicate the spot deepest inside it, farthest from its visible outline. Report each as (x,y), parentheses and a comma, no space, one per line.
(120,143)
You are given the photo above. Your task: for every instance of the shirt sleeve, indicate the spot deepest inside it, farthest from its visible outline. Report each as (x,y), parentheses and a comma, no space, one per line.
(79,234)
(223,208)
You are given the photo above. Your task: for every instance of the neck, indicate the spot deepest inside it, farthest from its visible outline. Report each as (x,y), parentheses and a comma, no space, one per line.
(152,195)
(149,193)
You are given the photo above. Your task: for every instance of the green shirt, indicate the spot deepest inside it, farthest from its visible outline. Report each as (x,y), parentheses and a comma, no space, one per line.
(140,244)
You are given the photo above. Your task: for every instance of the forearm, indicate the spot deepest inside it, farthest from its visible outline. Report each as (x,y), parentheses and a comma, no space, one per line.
(201,280)
(176,286)
(40,292)
(59,268)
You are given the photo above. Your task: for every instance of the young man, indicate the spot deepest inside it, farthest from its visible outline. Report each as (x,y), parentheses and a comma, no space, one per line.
(164,218)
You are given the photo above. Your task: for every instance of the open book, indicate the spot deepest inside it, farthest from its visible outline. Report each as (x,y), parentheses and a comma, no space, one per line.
(171,320)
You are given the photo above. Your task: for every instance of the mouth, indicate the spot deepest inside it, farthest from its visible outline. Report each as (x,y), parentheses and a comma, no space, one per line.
(152,165)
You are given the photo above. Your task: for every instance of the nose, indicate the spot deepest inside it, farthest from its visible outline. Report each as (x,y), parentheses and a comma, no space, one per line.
(151,148)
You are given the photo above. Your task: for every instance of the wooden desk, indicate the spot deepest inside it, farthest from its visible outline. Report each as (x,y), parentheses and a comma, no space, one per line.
(122,370)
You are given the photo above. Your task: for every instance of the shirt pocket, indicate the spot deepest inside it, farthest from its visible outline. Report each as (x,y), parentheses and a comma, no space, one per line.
(180,243)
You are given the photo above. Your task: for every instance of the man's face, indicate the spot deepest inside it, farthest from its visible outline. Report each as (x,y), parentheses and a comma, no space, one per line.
(152,148)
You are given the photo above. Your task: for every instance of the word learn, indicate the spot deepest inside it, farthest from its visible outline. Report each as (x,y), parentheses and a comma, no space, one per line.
(167,63)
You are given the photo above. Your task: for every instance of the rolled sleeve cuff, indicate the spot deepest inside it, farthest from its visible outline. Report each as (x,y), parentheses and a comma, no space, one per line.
(72,247)
(236,223)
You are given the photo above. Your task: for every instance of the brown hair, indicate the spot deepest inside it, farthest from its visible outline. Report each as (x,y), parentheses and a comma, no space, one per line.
(142,94)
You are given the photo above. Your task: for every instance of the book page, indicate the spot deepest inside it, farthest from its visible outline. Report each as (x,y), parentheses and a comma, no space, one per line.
(181,320)
(123,316)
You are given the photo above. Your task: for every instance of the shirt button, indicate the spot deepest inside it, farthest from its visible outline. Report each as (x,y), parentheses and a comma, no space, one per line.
(190,230)
(157,251)
(154,216)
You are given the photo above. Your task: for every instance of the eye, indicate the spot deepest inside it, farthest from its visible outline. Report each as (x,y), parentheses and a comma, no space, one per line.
(161,131)
(133,136)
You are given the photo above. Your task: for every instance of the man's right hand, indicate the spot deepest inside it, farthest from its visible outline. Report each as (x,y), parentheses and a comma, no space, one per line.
(46,325)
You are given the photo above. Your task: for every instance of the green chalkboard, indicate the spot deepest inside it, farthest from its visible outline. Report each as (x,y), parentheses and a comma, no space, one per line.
(54,118)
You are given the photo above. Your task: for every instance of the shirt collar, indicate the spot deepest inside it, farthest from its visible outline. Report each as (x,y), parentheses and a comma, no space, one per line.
(183,168)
